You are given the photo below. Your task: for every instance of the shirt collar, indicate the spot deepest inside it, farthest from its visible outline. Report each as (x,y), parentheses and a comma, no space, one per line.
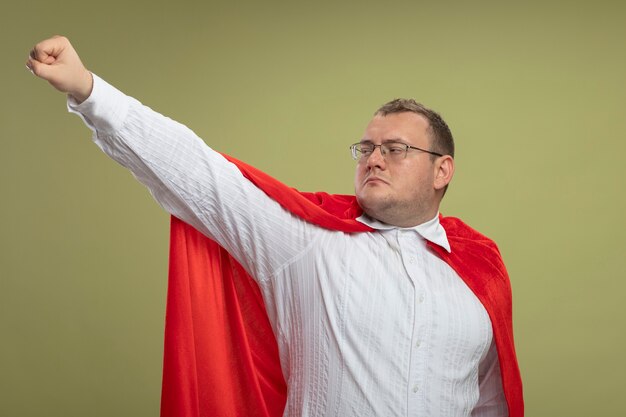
(431,230)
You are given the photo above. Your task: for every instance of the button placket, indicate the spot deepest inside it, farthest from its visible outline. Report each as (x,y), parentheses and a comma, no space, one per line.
(410,245)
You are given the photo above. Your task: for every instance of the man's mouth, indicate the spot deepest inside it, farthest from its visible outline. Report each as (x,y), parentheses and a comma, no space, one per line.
(375,180)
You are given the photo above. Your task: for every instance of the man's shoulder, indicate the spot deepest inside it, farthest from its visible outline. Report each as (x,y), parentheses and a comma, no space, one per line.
(470,242)
(473,255)
(458,229)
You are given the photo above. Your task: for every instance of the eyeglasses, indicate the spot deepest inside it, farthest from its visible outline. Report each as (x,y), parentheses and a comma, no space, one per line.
(393,151)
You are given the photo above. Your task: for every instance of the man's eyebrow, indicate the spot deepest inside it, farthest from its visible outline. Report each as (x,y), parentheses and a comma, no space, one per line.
(393,140)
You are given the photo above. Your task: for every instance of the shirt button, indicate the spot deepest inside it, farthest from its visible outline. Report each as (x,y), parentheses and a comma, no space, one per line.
(415,388)
(417,345)
(420,299)
(411,260)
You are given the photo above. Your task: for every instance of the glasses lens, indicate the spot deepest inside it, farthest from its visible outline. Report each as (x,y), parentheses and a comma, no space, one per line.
(392,151)
(354,152)
(395,151)
(359,150)
(366,148)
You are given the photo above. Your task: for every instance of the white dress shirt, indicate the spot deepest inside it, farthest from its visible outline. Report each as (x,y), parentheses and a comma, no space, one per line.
(367,324)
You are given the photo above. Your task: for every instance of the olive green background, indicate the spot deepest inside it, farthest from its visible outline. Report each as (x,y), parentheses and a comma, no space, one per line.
(534,93)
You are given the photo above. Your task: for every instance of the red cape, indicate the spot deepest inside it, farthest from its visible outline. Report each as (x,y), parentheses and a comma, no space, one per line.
(221,356)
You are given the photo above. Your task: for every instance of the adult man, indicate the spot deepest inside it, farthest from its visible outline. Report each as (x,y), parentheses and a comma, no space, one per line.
(366,323)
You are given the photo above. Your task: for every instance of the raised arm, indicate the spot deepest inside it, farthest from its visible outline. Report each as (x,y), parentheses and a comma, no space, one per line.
(189,179)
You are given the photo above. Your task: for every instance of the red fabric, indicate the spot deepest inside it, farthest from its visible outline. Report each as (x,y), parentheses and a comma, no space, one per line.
(221,356)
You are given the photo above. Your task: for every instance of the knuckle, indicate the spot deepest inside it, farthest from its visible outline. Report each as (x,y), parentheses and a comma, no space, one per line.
(63,38)
(39,47)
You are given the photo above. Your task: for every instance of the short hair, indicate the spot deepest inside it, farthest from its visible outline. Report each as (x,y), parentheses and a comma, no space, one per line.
(440,135)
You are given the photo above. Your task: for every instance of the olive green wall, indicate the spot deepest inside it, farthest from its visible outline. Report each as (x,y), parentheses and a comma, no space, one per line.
(534,93)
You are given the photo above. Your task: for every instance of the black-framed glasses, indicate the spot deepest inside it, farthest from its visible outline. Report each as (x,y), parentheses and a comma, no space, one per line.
(394,151)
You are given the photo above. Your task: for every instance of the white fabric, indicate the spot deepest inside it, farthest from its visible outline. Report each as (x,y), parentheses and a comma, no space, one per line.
(368,324)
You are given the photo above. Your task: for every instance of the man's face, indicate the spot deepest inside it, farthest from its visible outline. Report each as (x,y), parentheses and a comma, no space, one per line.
(400,192)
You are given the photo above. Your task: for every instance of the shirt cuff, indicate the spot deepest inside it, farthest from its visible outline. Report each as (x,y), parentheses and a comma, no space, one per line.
(105,109)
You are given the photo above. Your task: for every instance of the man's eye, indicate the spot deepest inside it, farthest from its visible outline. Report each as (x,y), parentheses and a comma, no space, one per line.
(396,149)
(366,150)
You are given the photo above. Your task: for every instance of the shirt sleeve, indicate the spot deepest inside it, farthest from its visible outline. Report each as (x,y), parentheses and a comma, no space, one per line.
(193,182)
(491,400)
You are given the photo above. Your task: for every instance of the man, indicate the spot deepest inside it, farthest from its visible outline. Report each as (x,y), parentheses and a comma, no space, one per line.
(407,319)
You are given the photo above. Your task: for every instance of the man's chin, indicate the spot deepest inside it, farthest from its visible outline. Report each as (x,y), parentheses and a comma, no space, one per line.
(374,191)
(372,203)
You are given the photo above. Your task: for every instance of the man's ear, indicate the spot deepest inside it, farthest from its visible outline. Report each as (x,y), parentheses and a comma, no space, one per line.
(444,171)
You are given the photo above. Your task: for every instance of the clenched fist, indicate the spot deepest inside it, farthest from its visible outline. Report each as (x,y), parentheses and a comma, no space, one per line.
(56,61)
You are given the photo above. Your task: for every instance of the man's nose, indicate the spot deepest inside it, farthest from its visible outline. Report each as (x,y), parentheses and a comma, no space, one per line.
(376,158)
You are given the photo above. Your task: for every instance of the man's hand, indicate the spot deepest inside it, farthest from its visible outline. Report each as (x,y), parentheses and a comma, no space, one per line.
(56,61)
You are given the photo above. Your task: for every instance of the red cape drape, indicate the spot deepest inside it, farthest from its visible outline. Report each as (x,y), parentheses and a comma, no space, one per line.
(221,356)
